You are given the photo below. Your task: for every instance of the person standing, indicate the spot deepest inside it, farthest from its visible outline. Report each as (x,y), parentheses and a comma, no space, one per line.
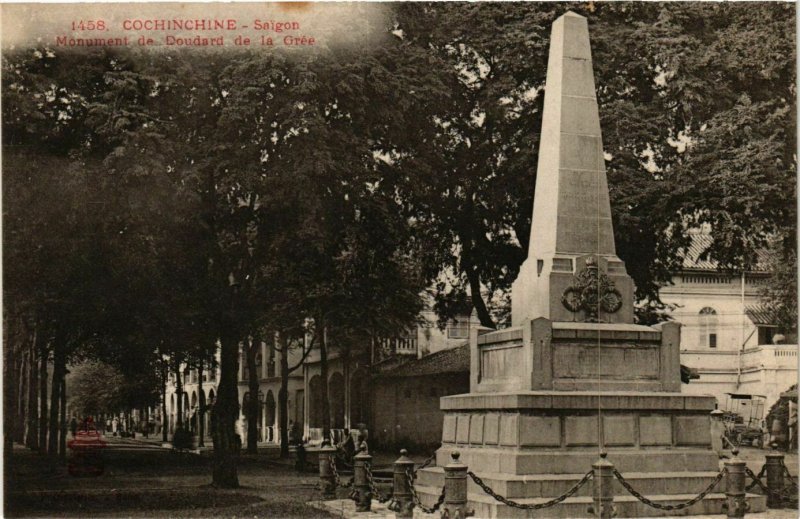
(73,426)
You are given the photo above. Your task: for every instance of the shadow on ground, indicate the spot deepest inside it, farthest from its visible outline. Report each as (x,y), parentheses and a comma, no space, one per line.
(151,482)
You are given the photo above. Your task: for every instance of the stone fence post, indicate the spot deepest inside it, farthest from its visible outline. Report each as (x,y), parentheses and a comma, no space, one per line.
(327,481)
(455,489)
(602,488)
(735,504)
(774,468)
(361,482)
(401,490)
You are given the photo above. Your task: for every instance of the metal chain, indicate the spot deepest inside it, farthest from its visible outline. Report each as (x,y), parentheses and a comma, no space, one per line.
(425,463)
(679,506)
(786,495)
(756,478)
(788,474)
(478,481)
(373,487)
(415,496)
(336,477)
(783,495)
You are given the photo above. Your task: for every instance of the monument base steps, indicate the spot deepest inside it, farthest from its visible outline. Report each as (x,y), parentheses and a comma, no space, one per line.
(520,487)
(529,463)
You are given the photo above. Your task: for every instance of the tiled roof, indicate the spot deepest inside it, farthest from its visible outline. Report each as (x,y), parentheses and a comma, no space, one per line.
(452,360)
(761,316)
(701,241)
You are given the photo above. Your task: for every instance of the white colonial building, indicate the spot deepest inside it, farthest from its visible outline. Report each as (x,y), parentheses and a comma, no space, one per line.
(267,364)
(727,338)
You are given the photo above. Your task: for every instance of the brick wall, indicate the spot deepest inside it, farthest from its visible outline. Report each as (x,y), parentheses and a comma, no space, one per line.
(406,409)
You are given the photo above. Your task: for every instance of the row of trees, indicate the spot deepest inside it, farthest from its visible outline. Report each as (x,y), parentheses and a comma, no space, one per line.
(161,205)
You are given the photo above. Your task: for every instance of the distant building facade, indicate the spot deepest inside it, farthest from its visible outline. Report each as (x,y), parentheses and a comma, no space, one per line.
(356,385)
(727,338)
(356,393)
(268,366)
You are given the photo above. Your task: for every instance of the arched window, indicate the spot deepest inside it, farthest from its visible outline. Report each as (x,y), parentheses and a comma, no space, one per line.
(708,327)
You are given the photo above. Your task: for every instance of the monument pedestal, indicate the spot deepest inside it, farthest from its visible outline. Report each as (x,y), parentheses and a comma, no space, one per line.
(533,446)
(602,387)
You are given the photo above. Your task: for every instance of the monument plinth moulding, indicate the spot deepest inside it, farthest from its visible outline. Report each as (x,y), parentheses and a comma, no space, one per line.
(574,375)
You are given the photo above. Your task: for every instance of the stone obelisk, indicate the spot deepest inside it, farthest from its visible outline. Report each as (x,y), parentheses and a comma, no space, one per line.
(574,375)
(572,212)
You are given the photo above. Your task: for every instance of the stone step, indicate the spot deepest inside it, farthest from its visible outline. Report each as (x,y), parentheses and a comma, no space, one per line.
(626,505)
(551,485)
(515,461)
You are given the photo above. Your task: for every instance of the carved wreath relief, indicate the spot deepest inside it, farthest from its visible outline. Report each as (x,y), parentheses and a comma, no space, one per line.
(592,291)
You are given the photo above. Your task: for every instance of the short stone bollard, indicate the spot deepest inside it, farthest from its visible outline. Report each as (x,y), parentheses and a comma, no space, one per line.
(774,469)
(360,480)
(401,491)
(602,488)
(455,489)
(327,481)
(735,503)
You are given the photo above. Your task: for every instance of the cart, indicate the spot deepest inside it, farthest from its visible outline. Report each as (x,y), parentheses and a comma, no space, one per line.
(87,453)
(743,419)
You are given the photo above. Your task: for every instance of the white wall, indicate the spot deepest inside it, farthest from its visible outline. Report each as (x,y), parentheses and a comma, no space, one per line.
(738,364)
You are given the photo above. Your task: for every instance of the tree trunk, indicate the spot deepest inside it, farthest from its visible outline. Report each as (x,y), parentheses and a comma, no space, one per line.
(8,395)
(179,395)
(164,418)
(477,298)
(283,398)
(323,371)
(62,444)
(22,392)
(251,350)
(43,355)
(32,438)
(224,415)
(59,363)
(201,412)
